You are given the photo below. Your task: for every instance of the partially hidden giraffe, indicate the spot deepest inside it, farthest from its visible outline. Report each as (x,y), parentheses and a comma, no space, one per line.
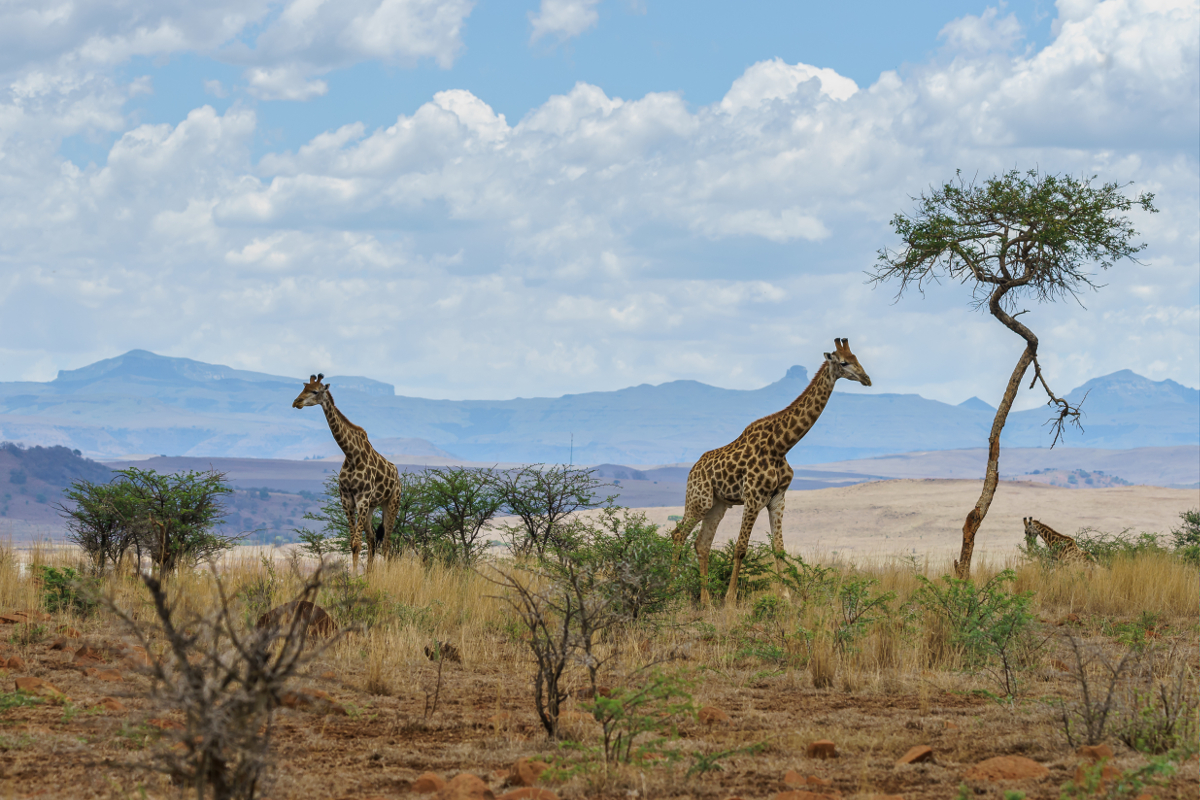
(753,470)
(1062,546)
(367,481)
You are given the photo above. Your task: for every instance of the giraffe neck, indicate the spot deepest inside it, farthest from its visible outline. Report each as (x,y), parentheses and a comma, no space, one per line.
(804,411)
(345,433)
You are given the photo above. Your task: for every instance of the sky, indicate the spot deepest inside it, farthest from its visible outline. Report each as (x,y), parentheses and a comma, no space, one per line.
(519,199)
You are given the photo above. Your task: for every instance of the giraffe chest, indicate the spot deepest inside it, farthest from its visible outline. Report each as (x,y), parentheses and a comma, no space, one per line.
(369,479)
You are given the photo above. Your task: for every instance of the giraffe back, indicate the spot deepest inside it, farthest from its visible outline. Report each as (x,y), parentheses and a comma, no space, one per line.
(1062,546)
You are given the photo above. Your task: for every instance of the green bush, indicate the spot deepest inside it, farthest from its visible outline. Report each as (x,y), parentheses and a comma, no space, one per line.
(635,560)
(629,712)
(758,570)
(64,589)
(989,624)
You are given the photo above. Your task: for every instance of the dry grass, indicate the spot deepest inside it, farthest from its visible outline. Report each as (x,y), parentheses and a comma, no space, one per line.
(898,685)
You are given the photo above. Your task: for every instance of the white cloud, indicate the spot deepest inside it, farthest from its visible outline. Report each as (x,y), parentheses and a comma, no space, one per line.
(563,19)
(283,83)
(599,241)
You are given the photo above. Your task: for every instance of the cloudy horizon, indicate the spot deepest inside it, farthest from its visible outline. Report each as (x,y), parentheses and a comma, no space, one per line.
(478,201)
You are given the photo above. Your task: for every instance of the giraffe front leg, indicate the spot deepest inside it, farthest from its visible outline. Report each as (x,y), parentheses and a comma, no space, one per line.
(775,515)
(365,517)
(739,552)
(704,540)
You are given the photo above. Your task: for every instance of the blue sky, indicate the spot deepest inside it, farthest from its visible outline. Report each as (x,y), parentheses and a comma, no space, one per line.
(498,199)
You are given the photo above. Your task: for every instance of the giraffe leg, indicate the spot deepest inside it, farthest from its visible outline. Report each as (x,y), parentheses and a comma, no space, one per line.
(391,510)
(743,544)
(775,514)
(704,541)
(365,516)
(351,510)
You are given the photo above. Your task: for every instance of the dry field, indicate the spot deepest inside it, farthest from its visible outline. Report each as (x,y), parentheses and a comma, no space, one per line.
(901,685)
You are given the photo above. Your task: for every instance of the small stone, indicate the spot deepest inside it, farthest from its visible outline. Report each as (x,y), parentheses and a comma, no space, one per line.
(822,748)
(164,724)
(465,787)
(15,663)
(500,720)
(328,675)
(1095,752)
(800,794)
(525,772)
(793,778)
(428,782)
(15,618)
(529,793)
(110,675)
(88,655)
(950,726)
(70,633)
(813,780)
(1070,619)
(1059,665)
(710,715)
(111,704)
(60,643)
(39,688)
(136,657)
(1006,768)
(916,754)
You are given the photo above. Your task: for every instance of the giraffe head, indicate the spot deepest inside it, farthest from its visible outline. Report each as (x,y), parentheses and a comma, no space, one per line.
(313,393)
(1031,534)
(844,364)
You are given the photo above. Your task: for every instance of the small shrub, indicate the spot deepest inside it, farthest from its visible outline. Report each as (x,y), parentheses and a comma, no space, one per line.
(627,713)
(64,589)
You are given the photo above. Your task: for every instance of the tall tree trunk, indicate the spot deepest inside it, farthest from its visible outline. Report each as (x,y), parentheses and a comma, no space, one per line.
(962,567)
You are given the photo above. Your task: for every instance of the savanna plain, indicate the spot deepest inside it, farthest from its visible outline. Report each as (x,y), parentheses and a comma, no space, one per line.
(865,671)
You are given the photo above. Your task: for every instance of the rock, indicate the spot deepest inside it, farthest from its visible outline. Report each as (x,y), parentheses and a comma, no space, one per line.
(15,663)
(822,748)
(916,754)
(428,782)
(39,688)
(1095,752)
(793,778)
(1006,768)
(1070,619)
(465,787)
(800,794)
(711,715)
(15,618)
(525,772)
(110,675)
(70,633)
(87,656)
(1059,665)
(164,724)
(319,622)
(500,720)
(60,643)
(950,726)
(111,704)
(529,793)
(1107,773)
(136,658)
(328,675)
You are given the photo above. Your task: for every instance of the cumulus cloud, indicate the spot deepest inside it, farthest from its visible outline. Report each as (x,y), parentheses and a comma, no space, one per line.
(601,241)
(563,19)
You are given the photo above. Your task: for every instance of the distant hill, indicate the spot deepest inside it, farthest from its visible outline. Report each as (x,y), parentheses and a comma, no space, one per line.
(32,480)
(142,403)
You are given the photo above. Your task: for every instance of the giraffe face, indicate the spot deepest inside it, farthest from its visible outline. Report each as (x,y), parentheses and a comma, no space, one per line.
(844,364)
(313,392)
(1031,533)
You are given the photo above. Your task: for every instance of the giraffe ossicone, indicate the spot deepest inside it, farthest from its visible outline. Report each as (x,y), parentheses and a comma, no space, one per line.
(367,480)
(753,470)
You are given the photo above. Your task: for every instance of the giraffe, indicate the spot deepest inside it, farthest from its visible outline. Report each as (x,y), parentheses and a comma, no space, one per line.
(367,481)
(753,470)
(1062,546)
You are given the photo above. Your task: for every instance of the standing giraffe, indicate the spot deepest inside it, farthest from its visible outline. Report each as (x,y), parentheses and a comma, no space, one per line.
(753,470)
(367,481)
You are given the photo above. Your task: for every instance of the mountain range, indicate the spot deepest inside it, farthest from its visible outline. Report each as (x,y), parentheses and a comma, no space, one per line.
(142,403)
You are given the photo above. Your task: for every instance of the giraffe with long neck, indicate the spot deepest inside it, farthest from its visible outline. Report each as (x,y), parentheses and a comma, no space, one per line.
(367,481)
(1061,546)
(753,470)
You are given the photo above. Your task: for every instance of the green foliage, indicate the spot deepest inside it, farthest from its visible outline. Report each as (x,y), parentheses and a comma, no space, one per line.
(633,559)
(711,762)
(808,583)
(629,712)
(18,699)
(990,625)
(767,607)
(1186,538)
(1157,771)
(859,610)
(64,589)
(100,519)
(1104,548)
(258,596)
(351,601)
(27,633)
(542,499)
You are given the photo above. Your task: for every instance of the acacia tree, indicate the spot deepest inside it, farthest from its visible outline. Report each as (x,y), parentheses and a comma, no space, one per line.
(98,518)
(1013,238)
